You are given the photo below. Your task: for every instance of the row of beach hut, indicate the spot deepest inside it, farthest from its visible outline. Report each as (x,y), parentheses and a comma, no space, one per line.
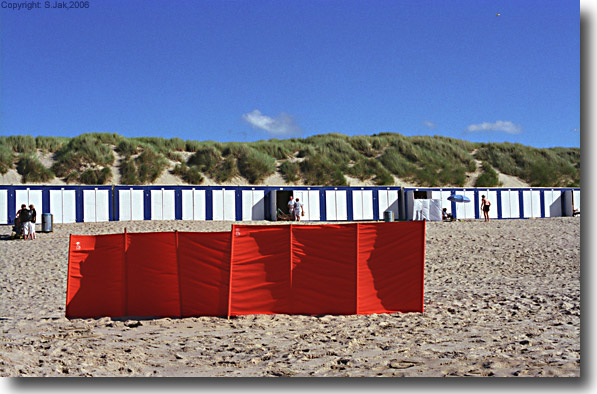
(69,204)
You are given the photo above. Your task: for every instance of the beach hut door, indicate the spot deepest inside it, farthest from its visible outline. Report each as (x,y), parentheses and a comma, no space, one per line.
(310,200)
(193,204)
(28,197)
(388,201)
(162,204)
(531,203)
(362,205)
(253,204)
(224,205)
(553,203)
(96,205)
(576,199)
(63,206)
(3,206)
(130,204)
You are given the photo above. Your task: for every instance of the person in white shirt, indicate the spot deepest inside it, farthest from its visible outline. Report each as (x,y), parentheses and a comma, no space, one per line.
(298,209)
(33,214)
(291,207)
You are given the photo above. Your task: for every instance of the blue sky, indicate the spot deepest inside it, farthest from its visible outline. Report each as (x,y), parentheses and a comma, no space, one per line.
(245,70)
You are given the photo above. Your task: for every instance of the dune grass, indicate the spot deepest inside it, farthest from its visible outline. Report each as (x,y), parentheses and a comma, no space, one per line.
(395,163)
(127,148)
(7,158)
(255,166)
(83,150)
(290,171)
(150,166)
(162,145)
(239,159)
(96,176)
(538,167)
(32,171)
(488,178)
(226,170)
(175,156)
(278,149)
(19,143)
(422,160)
(50,144)
(205,158)
(320,170)
(144,169)
(190,175)
(365,169)
(128,172)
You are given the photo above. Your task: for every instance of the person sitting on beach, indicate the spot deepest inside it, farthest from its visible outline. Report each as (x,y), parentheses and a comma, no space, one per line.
(485,207)
(298,210)
(291,207)
(33,214)
(446,216)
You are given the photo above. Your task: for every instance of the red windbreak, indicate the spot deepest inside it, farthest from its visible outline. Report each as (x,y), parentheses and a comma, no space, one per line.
(311,269)
(152,275)
(204,261)
(260,270)
(390,267)
(324,269)
(95,281)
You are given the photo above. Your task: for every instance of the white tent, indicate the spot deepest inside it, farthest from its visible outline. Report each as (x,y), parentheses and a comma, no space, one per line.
(427,209)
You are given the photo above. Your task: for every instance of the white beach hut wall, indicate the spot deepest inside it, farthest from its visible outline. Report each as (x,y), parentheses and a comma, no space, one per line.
(70,204)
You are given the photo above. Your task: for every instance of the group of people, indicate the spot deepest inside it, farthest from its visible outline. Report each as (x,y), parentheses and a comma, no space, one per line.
(485,204)
(295,209)
(27,218)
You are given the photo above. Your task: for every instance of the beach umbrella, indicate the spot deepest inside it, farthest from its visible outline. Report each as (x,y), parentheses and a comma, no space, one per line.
(459,198)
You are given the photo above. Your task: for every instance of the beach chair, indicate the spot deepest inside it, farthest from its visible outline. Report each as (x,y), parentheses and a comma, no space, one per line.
(283,216)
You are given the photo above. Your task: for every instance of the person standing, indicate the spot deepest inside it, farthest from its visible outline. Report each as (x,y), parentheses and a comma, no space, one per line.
(298,210)
(291,207)
(25,219)
(485,207)
(33,215)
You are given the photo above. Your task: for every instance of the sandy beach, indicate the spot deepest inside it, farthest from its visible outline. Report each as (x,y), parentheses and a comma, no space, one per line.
(501,299)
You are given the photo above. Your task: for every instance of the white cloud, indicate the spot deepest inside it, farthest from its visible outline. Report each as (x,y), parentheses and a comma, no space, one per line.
(429,124)
(501,125)
(282,125)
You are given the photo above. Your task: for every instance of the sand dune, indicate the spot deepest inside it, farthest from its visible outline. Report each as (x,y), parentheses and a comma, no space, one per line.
(501,299)
(12,177)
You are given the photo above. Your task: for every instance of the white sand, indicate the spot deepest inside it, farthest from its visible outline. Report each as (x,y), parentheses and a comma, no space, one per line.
(501,299)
